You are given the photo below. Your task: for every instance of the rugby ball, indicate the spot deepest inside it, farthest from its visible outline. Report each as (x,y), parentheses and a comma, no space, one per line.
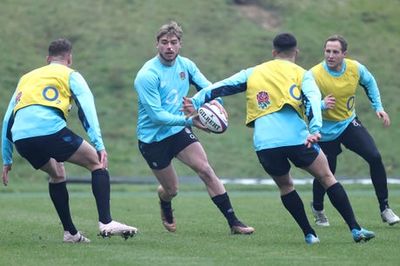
(213,118)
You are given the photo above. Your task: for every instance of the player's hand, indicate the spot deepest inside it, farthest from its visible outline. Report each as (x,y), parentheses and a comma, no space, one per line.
(329,101)
(311,139)
(385,117)
(6,169)
(197,123)
(103,158)
(187,107)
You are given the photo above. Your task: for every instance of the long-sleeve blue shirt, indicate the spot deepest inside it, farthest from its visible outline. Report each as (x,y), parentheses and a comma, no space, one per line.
(160,90)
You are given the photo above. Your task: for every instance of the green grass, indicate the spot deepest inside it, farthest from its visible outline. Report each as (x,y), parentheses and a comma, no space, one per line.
(31,233)
(113,39)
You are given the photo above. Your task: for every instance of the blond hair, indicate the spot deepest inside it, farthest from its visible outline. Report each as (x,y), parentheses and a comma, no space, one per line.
(171,28)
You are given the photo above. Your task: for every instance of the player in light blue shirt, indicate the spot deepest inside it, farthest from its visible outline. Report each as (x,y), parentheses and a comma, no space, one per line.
(164,131)
(160,89)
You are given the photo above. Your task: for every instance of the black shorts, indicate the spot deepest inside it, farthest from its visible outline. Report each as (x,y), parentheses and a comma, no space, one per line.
(38,150)
(159,155)
(355,138)
(276,161)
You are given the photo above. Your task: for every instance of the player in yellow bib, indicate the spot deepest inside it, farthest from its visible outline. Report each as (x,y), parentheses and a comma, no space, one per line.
(275,92)
(36,124)
(338,78)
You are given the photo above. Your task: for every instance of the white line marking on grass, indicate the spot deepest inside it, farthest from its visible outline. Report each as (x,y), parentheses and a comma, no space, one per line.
(239,181)
(259,181)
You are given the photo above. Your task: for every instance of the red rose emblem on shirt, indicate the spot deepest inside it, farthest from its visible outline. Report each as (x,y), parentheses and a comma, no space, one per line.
(263,99)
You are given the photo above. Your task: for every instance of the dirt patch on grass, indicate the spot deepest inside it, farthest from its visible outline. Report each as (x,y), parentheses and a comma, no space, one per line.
(269,20)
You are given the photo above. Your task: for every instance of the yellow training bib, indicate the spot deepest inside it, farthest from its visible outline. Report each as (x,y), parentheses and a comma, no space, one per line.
(343,88)
(272,85)
(48,86)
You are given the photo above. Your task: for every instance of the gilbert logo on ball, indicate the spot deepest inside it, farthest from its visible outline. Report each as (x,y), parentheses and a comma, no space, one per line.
(213,118)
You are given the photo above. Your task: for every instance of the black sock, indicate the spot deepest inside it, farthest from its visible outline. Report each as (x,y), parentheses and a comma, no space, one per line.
(224,205)
(60,198)
(166,207)
(295,206)
(101,192)
(340,201)
(383,204)
(379,181)
(318,195)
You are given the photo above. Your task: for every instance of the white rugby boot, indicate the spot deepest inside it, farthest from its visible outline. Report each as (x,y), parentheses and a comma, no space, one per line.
(388,216)
(77,238)
(319,216)
(116,228)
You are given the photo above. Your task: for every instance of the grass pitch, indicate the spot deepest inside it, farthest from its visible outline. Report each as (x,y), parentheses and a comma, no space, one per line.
(31,234)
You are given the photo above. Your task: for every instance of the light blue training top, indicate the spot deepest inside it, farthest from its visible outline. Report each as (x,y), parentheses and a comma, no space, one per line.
(38,120)
(160,90)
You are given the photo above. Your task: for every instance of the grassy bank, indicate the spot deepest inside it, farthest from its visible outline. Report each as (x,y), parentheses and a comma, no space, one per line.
(112,41)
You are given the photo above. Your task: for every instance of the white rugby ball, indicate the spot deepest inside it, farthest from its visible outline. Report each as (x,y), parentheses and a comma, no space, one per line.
(213,118)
